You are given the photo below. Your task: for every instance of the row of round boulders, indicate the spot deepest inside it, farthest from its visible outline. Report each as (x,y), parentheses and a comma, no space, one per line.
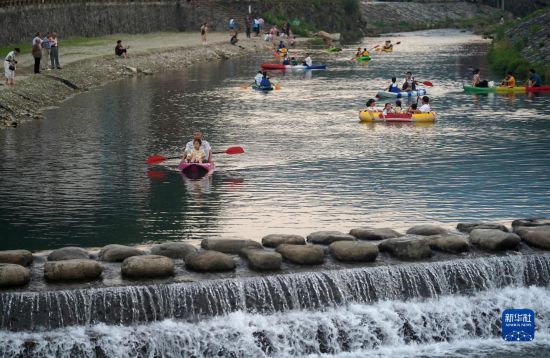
(530,223)
(262,260)
(374,234)
(18,257)
(407,248)
(72,270)
(12,275)
(328,237)
(275,240)
(494,239)
(69,253)
(228,246)
(468,227)
(118,253)
(354,251)
(427,230)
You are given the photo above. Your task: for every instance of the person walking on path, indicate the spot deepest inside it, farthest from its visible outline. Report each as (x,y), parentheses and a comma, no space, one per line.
(204,31)
(54,51)
(9,66)
(46,47)
(247,25)
(37,54)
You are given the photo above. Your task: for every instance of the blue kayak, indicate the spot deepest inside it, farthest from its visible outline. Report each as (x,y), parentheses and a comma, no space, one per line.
(262,88)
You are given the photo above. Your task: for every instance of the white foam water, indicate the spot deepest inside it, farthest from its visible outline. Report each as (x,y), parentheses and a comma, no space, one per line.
(452,325)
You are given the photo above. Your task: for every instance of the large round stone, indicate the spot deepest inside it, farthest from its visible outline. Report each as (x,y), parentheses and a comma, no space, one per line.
(358,251)
(117,253)
(451,243)
(517,224)
(12,275)
(147,266)
(536,236)
(468,227)
(494,240)
(328,237)
(18,257)
(275,240)
(68,253)
(174,250)
(407,248)
(72,270)
(426,230)
(302,254)
(262,260)
(209,261)
(371,233)
(228,246)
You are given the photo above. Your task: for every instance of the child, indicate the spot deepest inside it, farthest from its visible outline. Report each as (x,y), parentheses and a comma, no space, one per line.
(371,105)
(413,109)
(509,80)
(397,107)
(197,155)
(393,86)
(387,109)
(425,108)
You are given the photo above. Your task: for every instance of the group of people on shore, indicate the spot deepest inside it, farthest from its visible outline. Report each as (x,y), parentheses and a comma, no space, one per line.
(533,79)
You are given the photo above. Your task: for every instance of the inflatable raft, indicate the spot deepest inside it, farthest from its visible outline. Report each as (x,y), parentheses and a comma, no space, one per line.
(388,94)
(196,170)
(502,89)
(368,116)
(277,66)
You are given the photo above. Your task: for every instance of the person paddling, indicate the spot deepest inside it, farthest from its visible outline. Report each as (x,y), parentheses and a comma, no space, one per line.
(509,81)
(308,61)
(365,52)
(409,84)
(476,80)
(394,88)
(534,79)
(265,83)
(204,146)
(258,78)
(388,46)
(359,53)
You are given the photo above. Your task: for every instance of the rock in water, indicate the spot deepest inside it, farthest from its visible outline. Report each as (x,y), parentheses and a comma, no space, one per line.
(468,227)
(302,254)
(427,230)
(538,236)
(72,270)
(407,248)
(371,233)
(357,251)
(174,250)
(68,253)
(117,253)
(328,237)
(228,246)
(449,243)
(209,261)
(12,275)
(147,266)
(262,260)
(492,239)
(18,257)
(275,240)
(517,224)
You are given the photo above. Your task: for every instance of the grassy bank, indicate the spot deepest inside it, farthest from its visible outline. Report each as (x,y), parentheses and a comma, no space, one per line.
(522,44)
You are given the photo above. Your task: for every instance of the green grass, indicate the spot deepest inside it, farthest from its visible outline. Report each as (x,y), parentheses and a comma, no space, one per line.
(303,29)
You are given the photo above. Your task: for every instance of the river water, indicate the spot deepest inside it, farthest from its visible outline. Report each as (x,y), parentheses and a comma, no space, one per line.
(79,177)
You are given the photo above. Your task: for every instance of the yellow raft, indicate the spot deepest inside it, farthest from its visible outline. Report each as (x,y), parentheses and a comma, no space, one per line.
(368,116)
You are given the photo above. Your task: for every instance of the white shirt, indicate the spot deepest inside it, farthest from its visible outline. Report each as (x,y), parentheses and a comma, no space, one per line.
(308,61)
(205,146)
(258,78)
(37,39)
(425,108)
(11,56)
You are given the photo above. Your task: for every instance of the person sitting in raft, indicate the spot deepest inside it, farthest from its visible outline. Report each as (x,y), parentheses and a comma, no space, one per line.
(281,46)
(197,155)
(204,146)
(308,61)
(286,60)
(388,109)
(425,107)
(397,107)
(388,46)
(258,78)
(359,53)
(394,88)
(371,105)
(534,79)
(413,108)
(409,84)
(365,52)
(509,81)
(265,83)
(293,61)
(476,81)
(120,50)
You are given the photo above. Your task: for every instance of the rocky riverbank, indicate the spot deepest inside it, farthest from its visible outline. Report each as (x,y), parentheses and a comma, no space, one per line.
(173,262)
(31,95)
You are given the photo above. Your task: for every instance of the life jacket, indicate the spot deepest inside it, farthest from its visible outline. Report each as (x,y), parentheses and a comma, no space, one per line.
(394,88)
(265,83)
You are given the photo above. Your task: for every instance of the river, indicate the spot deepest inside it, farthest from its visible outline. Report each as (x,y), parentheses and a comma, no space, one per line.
(78,177)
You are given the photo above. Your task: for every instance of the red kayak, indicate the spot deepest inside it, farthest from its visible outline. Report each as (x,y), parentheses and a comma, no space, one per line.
(538,89)
(196,170)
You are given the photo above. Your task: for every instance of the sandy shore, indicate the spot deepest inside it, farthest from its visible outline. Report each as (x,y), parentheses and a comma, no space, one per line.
(91,65)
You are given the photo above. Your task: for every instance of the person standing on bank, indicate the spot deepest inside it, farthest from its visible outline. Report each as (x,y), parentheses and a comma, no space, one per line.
(54,51)
(37,54)
(46,48)
(9,66)
(204,31)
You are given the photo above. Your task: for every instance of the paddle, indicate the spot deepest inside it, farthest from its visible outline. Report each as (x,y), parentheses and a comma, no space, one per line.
(156,159)
(427,83)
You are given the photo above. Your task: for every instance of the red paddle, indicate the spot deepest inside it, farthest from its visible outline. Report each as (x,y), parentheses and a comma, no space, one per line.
(427,83)
(156,159)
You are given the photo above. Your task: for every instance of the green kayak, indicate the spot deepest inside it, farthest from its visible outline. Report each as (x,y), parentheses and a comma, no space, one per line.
(363,58)
(472,89)
(334,49)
